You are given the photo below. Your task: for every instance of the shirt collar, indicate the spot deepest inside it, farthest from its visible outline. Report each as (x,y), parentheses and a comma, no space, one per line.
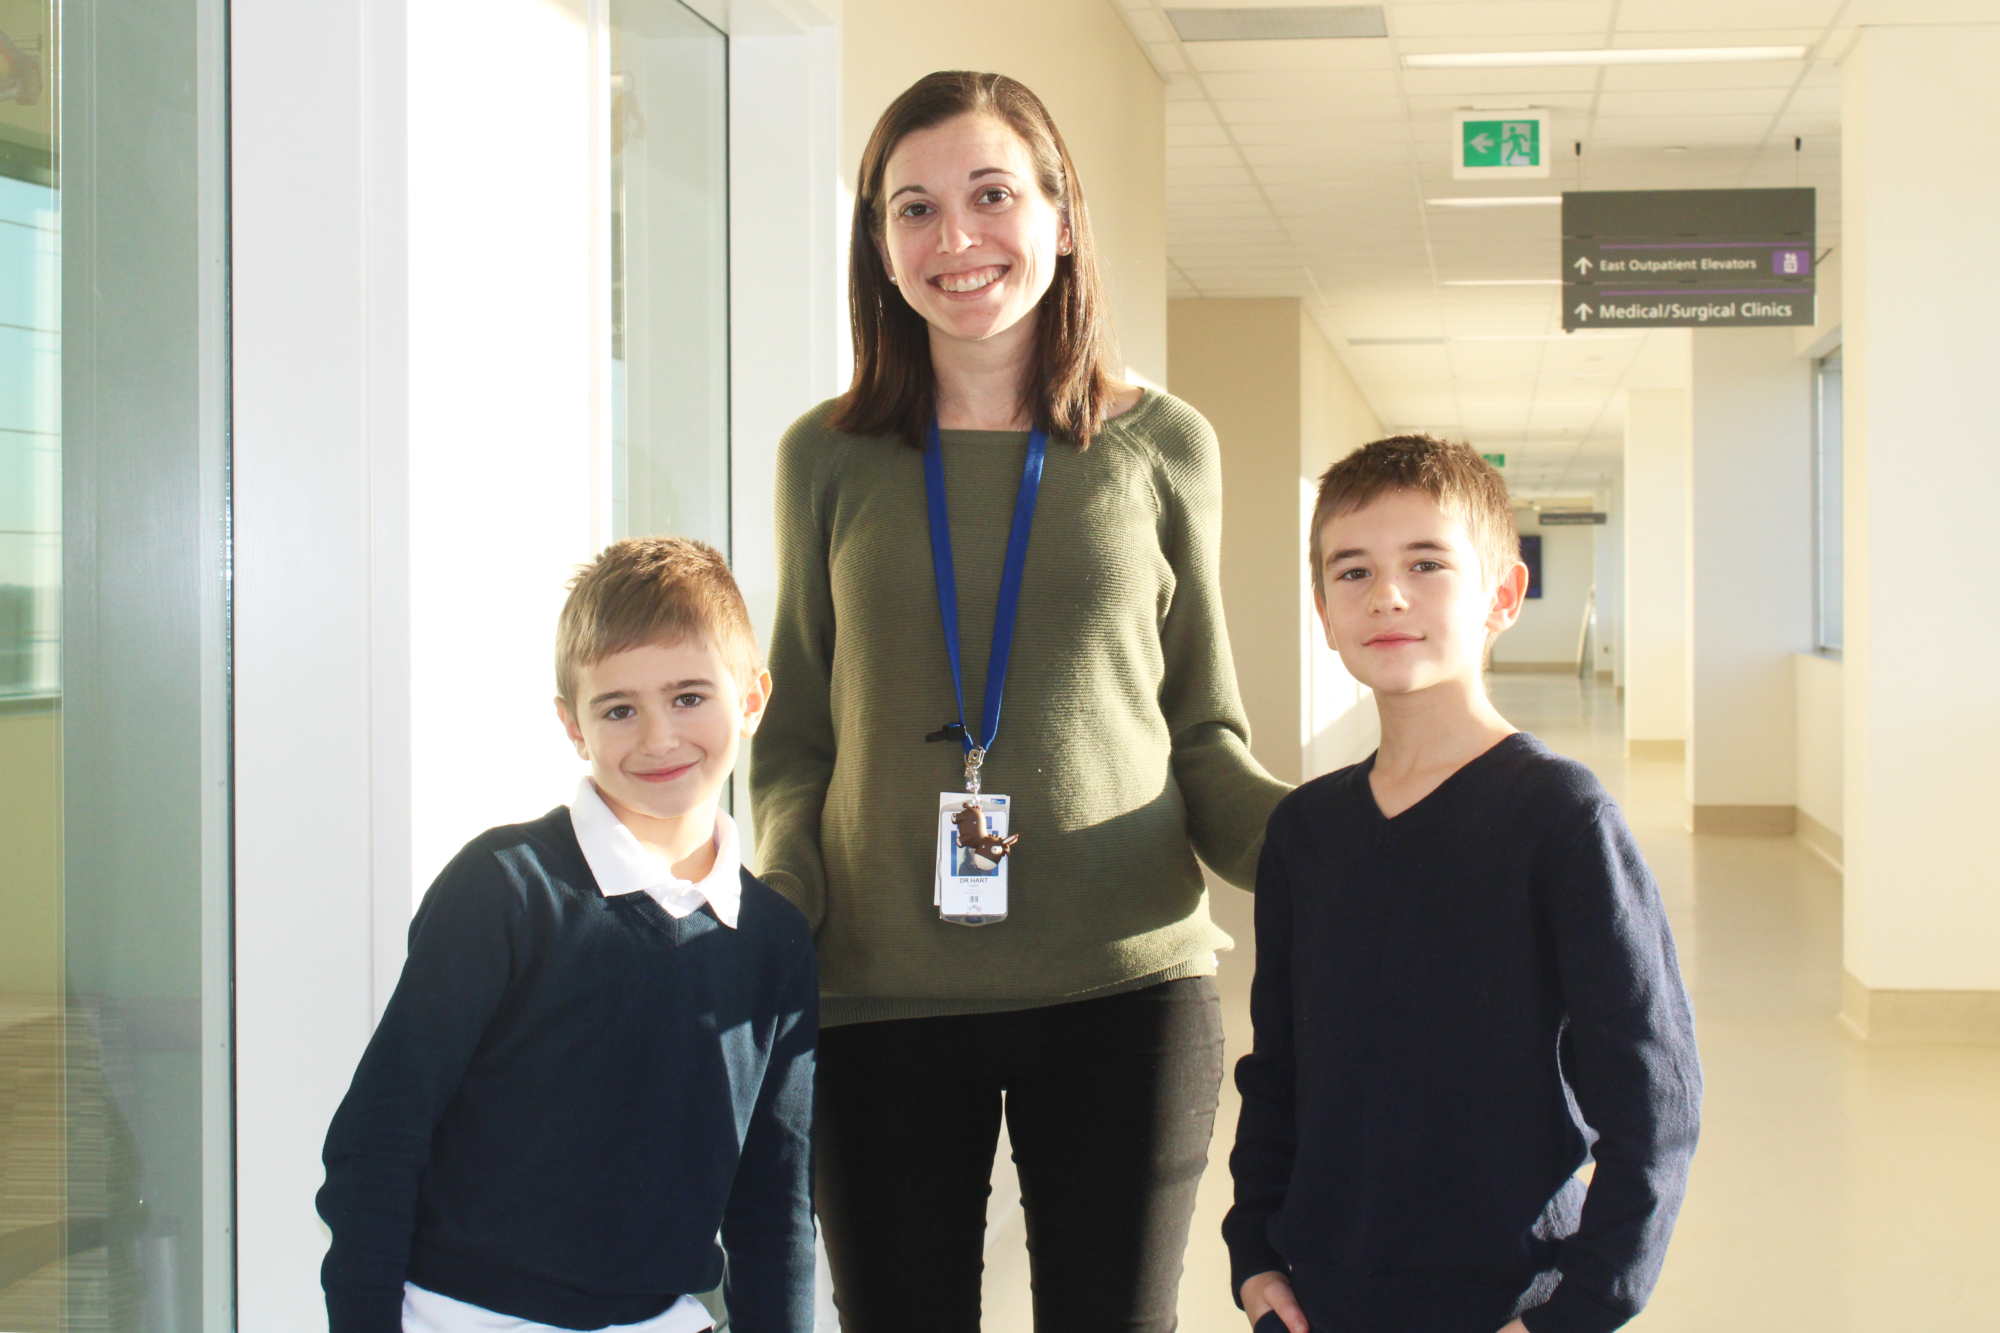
(622,865)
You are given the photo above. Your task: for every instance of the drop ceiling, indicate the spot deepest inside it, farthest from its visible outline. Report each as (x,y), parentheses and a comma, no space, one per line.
(1302,168)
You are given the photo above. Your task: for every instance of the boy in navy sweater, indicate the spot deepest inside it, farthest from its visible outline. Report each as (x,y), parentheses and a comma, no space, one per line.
(600,1054)
(1466,989)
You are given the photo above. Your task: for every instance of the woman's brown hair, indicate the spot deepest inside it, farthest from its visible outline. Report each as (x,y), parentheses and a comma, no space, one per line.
(894,392)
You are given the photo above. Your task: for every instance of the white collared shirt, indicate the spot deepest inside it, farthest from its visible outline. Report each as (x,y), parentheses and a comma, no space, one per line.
(425,1311)
(622,865)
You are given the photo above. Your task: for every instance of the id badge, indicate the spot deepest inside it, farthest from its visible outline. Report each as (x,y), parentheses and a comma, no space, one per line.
(971,888)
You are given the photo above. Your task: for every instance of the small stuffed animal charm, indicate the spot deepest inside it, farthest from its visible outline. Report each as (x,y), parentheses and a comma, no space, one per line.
(972,834)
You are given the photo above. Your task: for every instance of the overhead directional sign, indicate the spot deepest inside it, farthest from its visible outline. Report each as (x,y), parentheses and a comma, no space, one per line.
(1570,518)
(1678,259)
(1499,145)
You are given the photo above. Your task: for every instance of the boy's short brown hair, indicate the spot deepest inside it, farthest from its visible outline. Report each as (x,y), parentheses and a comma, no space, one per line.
(1461,482)
(645,590)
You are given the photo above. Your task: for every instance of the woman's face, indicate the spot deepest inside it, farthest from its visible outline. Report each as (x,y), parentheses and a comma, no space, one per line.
(969,238)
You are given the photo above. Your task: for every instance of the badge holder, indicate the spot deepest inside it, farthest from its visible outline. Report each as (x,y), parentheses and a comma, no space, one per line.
(973,842)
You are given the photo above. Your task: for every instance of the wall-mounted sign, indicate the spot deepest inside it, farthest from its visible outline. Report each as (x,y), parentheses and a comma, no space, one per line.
(1497,460)
(1687,259)
(1499,145)
(1569,518)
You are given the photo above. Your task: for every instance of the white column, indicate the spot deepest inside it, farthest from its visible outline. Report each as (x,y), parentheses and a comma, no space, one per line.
(1657,430)
(321,667)
(1750,575)
(787,275)
(1920,188)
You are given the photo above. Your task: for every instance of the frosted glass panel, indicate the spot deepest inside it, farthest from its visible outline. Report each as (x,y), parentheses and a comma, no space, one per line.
(669,272)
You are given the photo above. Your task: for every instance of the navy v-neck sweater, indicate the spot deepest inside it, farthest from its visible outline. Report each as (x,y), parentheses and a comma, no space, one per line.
(1455,1009)
(568,1097)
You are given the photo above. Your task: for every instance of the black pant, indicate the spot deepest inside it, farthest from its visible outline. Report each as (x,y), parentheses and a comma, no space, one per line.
(1110,1104)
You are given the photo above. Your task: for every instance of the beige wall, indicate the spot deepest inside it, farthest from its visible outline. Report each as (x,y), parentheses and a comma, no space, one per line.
(1081,60)
(1818,699)
(31,866)
(1917,160)
(1549,627)
(1284,409)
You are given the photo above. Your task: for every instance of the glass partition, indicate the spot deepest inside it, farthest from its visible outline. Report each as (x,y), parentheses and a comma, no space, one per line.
(669,272)
(114,1012)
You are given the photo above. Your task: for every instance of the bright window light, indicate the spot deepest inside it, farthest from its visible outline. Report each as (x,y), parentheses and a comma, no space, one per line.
(1631,55)
(1499,201)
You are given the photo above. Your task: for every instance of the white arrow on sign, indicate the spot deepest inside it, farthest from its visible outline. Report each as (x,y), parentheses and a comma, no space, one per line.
(1583,310)
(1583,263)
(1481,143)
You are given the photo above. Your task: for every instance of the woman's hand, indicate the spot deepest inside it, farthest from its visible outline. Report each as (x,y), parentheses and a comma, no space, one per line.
(1271,1292)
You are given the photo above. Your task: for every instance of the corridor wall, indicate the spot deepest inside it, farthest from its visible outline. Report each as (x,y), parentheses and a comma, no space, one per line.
(1922,919)
(1546,635)
(1284,410)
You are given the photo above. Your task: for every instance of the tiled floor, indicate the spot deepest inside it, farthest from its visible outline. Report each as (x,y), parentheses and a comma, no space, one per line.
(1839,1186)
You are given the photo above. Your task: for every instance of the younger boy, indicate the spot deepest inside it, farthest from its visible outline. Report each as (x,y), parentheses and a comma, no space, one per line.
(1466,988)
(600,1052)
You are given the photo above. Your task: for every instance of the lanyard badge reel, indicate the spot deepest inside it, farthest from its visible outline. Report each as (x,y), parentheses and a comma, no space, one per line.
(973,841)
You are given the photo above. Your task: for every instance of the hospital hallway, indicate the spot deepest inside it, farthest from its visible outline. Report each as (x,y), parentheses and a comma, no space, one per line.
(1839,1185)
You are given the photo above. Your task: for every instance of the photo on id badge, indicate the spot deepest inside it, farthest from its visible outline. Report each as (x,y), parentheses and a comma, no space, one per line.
(971,886)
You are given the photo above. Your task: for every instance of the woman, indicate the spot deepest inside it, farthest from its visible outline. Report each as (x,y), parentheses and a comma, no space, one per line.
(981,343)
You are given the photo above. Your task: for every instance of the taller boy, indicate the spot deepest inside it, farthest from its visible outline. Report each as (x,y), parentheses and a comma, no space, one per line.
(1465,987)
(600,1052)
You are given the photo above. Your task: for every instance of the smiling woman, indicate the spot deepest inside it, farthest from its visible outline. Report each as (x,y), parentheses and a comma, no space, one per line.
(1073,547)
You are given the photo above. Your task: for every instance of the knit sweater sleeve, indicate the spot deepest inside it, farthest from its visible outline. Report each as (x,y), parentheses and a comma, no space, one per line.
(1632,1065)
(767,1229)
(791,762)
(461,954)
(1266,1128)
(1229,795)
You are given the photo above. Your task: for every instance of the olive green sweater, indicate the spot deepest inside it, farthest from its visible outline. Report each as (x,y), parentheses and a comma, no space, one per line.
(1122,740)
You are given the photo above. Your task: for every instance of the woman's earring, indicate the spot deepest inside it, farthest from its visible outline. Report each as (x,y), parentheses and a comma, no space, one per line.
(892,280)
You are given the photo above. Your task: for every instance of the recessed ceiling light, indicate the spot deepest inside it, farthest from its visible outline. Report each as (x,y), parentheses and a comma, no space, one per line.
(1674,148)
(1499,201)
(1627,55)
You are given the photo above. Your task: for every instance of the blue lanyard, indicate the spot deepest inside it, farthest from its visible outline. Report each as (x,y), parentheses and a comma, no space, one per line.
(1010,587)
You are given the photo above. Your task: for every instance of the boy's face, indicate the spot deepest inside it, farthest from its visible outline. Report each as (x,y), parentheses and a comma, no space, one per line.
(660,725)
(1402,597)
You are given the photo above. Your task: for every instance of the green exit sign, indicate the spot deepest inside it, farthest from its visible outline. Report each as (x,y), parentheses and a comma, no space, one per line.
(1497,460)
(1500,145)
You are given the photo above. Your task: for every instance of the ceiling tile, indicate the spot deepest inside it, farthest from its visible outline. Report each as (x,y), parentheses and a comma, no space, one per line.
(1924,11)
(1302,83)
(1191,113)
(1195,136)
(1717,19)
(1497,82)
(1184,156)
(1665,130)
(1481,18)
(1758,74)
(1702,102)
(1359,53)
